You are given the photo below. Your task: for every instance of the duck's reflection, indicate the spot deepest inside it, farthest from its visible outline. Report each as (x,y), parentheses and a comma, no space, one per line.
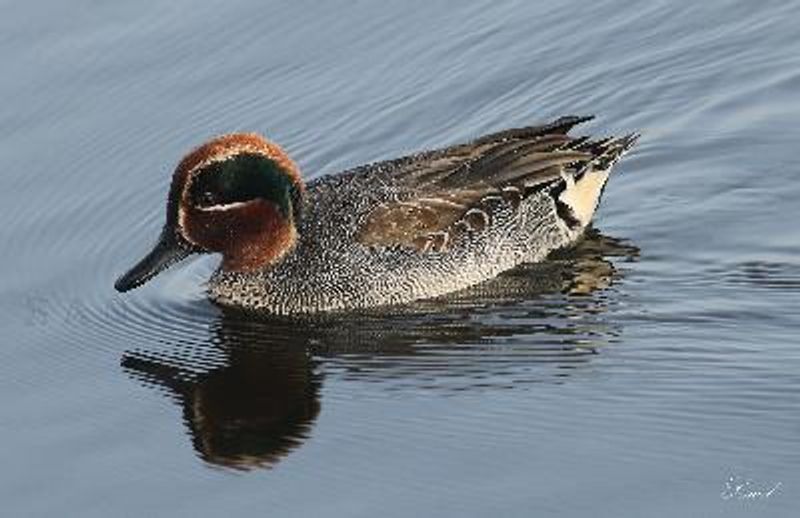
(250,394)
(249,411)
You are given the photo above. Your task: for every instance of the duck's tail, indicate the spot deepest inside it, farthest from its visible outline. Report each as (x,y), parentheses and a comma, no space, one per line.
(585,188)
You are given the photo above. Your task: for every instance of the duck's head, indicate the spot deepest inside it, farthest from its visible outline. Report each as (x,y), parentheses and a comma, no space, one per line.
(238,195)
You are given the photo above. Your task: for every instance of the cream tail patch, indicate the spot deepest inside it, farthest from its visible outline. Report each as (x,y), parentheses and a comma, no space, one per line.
(583,196)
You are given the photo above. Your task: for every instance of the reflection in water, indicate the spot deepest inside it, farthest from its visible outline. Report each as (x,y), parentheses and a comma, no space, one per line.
(247,413)
(250,393)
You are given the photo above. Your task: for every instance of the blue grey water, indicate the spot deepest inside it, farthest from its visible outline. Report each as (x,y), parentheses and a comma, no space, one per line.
(652,371)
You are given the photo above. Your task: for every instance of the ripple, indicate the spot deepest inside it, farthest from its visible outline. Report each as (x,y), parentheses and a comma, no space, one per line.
(767,275)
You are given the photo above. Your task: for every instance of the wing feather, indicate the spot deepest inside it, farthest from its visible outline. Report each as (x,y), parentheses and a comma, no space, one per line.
(453,189)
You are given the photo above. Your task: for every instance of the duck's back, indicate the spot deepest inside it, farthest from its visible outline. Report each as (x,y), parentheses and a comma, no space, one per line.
(430,224)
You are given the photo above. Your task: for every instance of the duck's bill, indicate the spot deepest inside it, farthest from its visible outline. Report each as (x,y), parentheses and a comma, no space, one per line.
(167,252)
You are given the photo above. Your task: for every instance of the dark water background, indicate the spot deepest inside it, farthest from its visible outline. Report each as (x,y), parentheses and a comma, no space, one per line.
(655,371)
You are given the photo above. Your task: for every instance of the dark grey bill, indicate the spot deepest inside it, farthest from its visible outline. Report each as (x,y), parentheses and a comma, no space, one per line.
(167,252)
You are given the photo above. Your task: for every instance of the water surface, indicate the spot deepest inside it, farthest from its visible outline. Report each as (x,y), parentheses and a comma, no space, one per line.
(652,371)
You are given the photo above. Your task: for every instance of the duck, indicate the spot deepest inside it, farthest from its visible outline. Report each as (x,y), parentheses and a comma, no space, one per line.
(383,234)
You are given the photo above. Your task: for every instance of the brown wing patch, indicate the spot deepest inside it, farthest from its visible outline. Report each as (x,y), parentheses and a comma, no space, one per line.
(422,223)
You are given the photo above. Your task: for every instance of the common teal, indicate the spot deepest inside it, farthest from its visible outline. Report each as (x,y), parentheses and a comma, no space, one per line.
(384,233)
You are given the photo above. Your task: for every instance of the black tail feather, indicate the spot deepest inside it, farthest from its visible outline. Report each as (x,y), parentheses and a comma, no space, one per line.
(561,126)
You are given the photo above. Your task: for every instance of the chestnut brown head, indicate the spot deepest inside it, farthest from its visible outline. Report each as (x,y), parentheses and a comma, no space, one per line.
(238,195)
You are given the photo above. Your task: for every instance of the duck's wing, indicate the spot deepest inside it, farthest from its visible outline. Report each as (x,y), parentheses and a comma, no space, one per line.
(454,189)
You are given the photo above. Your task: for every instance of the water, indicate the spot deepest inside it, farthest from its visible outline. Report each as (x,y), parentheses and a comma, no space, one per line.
(654,371)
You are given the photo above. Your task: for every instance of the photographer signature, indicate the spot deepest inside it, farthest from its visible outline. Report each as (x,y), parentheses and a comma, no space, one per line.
(740,488)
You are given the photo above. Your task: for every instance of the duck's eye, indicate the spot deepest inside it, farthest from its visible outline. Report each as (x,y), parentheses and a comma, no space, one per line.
(208,198)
